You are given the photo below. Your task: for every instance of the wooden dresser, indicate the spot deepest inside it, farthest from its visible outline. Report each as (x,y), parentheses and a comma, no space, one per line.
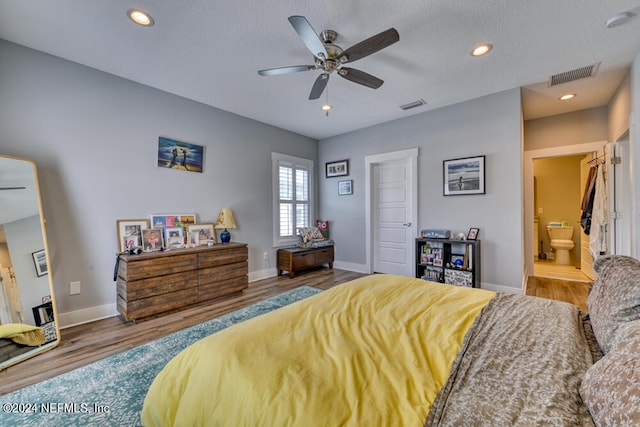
(295,259)
(153,283)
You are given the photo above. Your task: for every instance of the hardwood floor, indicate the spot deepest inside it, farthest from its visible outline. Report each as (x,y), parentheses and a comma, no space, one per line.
(562,290)
(85,344)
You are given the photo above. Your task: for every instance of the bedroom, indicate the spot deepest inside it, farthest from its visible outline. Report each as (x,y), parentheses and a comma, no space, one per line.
(93,135)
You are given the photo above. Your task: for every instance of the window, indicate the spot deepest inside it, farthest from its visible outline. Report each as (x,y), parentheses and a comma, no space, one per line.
(292,197)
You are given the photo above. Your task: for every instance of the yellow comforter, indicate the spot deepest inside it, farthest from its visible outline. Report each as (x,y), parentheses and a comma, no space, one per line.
(374,351)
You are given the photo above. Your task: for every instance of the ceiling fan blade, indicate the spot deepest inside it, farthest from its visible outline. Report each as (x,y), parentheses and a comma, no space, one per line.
(360,77)
(308,36)
(319,85)
(286,70)
(369,46)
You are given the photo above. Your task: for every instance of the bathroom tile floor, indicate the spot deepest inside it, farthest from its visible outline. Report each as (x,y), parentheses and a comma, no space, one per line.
(566,272)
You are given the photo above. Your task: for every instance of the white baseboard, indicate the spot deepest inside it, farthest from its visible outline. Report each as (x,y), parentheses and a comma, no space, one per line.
(500,288)
(262,274)
(350,266)
(86,315)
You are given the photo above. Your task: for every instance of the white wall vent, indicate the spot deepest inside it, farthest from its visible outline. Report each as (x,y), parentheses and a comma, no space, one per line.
(573,75)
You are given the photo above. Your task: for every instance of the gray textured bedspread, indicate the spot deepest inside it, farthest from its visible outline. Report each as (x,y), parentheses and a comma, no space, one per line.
(520,365)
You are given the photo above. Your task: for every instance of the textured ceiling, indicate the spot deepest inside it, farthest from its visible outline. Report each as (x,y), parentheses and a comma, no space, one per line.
(210,52)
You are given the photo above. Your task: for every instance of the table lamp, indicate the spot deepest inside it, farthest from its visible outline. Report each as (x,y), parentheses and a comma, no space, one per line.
(225,220)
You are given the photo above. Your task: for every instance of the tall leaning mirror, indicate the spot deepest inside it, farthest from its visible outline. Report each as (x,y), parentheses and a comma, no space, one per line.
(27,306)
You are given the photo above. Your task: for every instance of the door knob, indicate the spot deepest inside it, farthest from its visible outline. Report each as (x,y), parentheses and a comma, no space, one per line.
(407,224)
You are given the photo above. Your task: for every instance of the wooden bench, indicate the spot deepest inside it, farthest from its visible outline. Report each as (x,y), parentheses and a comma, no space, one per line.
(296,259)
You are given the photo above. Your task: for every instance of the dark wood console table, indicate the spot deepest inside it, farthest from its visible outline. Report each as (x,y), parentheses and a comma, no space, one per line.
(296,259)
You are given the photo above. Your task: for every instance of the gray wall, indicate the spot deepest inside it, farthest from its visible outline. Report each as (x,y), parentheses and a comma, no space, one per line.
(578,127)
(489,126)
(94,136)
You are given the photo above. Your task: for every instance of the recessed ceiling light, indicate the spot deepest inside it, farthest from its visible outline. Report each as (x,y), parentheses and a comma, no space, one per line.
(140,17)
(567,97)
(481,49)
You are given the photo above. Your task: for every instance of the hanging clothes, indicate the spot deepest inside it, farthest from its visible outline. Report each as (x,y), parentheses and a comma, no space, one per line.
(587,201)
(587,186)
(599,218)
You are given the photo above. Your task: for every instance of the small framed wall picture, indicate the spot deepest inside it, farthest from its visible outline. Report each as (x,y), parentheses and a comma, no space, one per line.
(338,168)
(473,233)
(345,187)
(40,262)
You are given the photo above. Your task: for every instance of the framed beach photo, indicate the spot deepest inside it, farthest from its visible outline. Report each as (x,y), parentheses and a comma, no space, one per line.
(345,187)
(205,233)
(130,233)
(338,168)
(152,239)
(463,176)
(179,155)
(40,262)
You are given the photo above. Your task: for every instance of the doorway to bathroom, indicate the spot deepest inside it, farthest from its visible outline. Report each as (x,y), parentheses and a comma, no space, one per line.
(558,193)
(554,190)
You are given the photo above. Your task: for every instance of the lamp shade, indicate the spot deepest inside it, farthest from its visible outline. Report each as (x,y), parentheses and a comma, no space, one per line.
(225,219)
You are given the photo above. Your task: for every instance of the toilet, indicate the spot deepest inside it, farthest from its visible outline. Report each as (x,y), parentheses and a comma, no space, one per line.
(561,242)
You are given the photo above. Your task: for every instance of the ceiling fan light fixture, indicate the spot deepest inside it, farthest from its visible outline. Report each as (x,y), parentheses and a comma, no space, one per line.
(140,17)
(567,96)
(481,49)
(326,108)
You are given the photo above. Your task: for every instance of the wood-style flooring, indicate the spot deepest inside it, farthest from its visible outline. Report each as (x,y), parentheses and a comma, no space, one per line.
(562,290)
(85,344)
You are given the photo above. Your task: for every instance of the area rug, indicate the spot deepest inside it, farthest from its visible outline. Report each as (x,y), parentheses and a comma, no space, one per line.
(110,392)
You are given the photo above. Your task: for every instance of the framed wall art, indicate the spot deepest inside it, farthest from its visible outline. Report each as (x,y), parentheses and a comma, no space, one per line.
(345,187)
(178,155)
(205,233)
(40,262)
(130,233)
(463,176)
(338,168)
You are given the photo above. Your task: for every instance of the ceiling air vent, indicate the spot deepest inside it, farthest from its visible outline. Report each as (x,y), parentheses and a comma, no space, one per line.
(413,104)
(573,75)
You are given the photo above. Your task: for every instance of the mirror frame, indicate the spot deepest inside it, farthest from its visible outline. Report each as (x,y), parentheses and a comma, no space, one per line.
(52,344)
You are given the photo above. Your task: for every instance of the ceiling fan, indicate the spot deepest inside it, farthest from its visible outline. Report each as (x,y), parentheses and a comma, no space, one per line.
(329,57)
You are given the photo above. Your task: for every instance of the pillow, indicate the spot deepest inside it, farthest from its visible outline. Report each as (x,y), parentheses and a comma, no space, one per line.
(310,233)
(611,388)
(323,226)
(22,334)
(614,298)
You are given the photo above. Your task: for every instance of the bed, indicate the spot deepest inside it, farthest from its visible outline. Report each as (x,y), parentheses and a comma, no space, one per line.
(396,351)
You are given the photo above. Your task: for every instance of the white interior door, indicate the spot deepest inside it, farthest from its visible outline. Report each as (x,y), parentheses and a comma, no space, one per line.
(392,218)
